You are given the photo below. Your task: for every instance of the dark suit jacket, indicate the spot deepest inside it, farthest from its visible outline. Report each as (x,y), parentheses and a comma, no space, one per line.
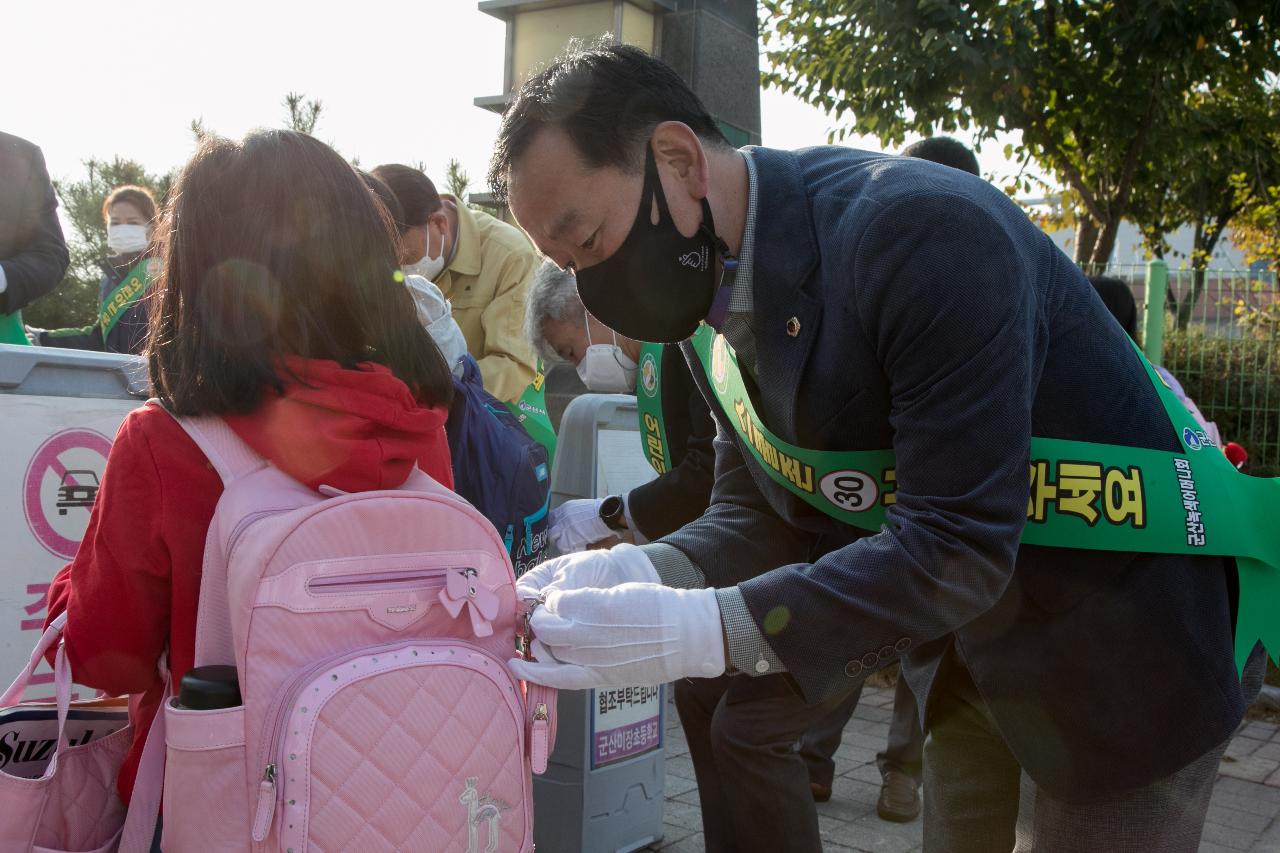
(682,494)
(936,319)
(32,251)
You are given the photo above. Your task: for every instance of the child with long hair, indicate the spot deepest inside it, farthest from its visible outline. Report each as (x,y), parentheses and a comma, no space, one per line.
(277,308)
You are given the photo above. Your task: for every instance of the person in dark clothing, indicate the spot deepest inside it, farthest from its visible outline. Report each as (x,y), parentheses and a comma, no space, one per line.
(1078,698)
(901,762)
(129,213)
(33,255)
(558,326)
(944,150)
(1118,298)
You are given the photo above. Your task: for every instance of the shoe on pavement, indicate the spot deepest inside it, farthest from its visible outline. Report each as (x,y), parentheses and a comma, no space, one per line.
(899,797)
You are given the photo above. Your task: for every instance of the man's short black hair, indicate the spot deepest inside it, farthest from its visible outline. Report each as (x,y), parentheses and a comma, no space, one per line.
(384,194)
(608,98)
(416,193)
(944,150)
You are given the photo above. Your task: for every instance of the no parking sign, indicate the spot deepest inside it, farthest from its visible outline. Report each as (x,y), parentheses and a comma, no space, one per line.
(55,455)
(60,487)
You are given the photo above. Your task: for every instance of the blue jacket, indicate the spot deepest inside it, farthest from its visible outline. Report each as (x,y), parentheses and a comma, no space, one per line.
(936,319)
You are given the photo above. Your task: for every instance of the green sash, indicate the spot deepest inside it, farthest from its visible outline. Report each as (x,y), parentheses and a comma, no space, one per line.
(11,329)
(531,410)
(1083,495)
(131,288)
(653,429)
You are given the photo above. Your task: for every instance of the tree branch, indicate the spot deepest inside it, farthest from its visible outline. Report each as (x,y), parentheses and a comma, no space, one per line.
(1130,168)
(1076,180)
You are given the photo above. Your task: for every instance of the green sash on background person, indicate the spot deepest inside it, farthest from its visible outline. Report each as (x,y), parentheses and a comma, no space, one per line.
(1083,495)
(115,305)
(12,331)
(531,410)
(131,288)
(653,428)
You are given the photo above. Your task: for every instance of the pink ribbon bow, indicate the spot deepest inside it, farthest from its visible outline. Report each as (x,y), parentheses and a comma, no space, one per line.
(462,588)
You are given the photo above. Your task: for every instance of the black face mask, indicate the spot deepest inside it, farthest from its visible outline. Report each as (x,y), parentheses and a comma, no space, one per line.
(659,284)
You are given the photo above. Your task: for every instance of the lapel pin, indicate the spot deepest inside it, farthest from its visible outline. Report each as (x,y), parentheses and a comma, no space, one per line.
(793,327)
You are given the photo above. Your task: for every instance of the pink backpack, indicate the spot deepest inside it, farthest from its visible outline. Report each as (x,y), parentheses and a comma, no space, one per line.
(370,632)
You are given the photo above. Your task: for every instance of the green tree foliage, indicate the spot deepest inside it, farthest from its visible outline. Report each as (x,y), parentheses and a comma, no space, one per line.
(1089,85)
(302,113)
(75,301)
(456,181)
(1217,154)
(1256,231)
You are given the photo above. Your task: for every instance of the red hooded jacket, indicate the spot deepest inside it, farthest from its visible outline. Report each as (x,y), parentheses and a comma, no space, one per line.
(133,587)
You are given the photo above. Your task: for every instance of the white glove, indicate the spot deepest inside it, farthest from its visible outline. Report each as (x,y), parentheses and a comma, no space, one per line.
(577,524)
(636,633)
(600,569)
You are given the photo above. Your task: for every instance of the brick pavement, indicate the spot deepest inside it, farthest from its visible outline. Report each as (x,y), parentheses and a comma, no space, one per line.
(1244,814)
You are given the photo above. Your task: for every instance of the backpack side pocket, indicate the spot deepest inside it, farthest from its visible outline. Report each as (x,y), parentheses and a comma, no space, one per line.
(204,781)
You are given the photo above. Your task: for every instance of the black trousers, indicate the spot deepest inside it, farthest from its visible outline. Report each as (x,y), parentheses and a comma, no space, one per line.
(903,752)
(752,784)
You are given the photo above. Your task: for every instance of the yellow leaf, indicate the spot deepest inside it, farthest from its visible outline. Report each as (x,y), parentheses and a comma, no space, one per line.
(1026,91)
(1200,43)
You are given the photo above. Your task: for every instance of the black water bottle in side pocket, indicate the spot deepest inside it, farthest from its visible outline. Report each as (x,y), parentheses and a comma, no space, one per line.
(207,688)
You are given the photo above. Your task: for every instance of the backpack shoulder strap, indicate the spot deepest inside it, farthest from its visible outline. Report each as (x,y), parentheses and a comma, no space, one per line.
(226,451)
(232,459)
(420,481)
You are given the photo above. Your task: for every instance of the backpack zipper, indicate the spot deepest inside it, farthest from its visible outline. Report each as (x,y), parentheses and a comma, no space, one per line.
(408,579)
(539,735)
(266,804)
(266,807)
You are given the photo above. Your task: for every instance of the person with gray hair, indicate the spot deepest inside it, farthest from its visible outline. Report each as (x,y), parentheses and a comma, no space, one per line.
(559,328)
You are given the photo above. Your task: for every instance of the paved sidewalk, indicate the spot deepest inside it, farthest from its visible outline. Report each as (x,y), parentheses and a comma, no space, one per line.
(1244,813)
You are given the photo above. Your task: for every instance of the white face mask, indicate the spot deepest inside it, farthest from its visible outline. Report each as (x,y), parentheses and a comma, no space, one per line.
(427,266)
(126,239)
(605,368)
(436,316)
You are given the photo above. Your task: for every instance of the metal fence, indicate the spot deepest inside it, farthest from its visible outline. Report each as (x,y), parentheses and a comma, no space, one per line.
(1219,334)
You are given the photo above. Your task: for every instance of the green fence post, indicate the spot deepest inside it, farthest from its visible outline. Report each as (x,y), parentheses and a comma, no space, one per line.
(1153,321)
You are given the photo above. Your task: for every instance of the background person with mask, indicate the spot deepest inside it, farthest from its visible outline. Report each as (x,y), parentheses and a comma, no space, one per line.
(482,265)
(887,310)
(558,326)
(497,466)
(434,311)
(33,255)
(129,213)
